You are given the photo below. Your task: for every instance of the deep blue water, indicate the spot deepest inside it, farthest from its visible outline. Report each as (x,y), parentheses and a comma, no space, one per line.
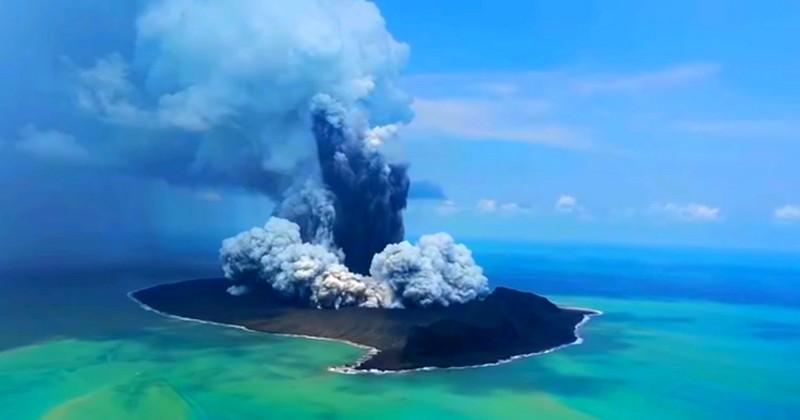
(733,276)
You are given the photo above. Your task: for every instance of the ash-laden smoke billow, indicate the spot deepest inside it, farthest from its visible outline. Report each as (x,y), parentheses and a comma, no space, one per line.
(370,193)
(292,100)
(216,94)
(312,207)
(312,89)
(275,255)
(339,241)
(435,271)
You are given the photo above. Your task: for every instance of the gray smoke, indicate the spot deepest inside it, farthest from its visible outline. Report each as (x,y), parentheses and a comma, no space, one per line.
(339,287)
(245,257)
(276,256)
(311,206)
(435,272)
(370,192)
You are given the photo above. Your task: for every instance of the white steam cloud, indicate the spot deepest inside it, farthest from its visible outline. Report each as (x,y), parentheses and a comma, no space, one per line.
(275,255)
(221,90)
(435,272)
(214,58)
(250,254)
(339,287)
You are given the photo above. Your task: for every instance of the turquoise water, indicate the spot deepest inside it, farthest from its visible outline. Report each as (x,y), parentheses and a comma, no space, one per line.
(84,351)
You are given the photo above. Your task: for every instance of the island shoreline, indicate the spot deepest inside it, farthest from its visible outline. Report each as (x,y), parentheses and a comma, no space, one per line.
(370,352)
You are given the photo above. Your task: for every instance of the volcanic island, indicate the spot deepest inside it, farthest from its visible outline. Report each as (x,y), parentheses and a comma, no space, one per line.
(332,262)
(504,325)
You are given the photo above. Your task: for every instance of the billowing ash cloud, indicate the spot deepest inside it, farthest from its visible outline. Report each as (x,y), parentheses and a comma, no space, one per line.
(219,92)
(339,287)
(243,256)
(275,255)
(436,271)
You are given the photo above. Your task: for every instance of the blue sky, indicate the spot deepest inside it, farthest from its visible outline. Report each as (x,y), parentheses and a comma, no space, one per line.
(672,123)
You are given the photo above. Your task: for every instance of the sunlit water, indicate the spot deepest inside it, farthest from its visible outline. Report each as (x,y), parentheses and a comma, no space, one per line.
(81,350)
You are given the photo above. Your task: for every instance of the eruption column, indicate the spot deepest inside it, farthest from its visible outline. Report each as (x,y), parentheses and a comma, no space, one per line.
(370,193)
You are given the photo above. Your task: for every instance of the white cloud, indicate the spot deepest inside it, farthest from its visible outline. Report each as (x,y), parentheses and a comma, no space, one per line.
(787,213)
(638,82)
(237,80)
(486,205)
(447,207)
(208,64)
(522,106)
(510,207)
(52,145)
(566,204)
(489,205)
(105,89)
(478,119)
(481,84)
(498,88)
(691,212)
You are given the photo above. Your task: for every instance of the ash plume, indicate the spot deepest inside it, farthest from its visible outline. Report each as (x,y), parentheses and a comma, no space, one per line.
(294,102)
(370,193)
(218,93)
(339,241)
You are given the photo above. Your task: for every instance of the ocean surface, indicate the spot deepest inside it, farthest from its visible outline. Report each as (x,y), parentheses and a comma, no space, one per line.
(686,333)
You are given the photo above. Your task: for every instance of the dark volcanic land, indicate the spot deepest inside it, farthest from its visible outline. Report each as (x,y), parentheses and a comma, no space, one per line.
(507,323)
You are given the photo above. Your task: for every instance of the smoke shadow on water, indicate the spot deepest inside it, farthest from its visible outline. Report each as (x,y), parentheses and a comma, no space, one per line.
(39,304)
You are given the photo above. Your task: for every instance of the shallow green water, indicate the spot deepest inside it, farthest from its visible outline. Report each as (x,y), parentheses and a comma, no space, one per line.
(642,359)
